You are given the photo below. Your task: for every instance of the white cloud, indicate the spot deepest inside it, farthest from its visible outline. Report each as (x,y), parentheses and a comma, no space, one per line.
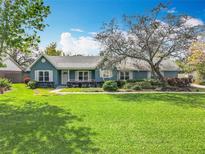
(172,10)
(191,22)
(84,45)
(93,33)
(76,30)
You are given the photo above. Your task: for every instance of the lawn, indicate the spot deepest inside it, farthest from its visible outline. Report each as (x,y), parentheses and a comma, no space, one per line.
(132,123)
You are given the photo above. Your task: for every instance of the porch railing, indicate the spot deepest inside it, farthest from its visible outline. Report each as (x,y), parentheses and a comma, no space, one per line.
(84,84)
(45,84)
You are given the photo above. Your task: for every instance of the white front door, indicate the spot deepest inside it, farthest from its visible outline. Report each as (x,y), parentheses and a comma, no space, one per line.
(64,77)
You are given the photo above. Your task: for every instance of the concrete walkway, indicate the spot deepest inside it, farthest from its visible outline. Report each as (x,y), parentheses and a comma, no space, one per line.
(58,91)
(198,86)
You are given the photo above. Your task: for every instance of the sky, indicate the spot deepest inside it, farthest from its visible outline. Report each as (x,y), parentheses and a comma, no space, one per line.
(73,23)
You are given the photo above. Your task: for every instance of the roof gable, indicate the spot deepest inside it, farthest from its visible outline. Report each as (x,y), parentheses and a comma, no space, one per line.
(37,60)
(10,65)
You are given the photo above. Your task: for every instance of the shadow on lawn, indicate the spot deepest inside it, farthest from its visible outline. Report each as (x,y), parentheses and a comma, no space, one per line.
(42,128)
(196,100)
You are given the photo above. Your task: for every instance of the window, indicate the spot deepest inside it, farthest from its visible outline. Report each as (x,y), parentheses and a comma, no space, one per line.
(106,73)
(124,76)
(43,76)
(83,76)
(46,76)
(40,76)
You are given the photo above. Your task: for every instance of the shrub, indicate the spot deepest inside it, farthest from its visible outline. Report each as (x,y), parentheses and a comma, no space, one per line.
(156,82)
(134,81)
(120,84)
(145,85)
(179,82)
(110,86)
(26,80)
(5,83)
(32,84)
(136,87)
(128,85)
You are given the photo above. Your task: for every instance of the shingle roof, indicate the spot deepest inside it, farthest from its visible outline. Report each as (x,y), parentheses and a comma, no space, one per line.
(132,64)
(91,62)
(75,62)
(10,65)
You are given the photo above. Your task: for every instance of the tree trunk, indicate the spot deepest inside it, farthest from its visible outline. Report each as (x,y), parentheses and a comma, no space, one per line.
(157,73)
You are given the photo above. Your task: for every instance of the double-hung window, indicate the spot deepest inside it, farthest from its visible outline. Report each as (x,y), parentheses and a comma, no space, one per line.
(43,75)
(124,75)
(83,75)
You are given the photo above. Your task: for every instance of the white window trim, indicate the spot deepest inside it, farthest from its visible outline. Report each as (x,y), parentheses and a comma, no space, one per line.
(77,75)
(130,75)
(62,75)
(50,75)
(102,73)
(149,75)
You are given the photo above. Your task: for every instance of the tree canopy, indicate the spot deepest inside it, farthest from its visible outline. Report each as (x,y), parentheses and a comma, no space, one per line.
(52,50)
(150,37)
(20,20)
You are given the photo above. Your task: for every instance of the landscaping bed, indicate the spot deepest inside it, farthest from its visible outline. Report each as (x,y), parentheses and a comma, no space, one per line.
(152,85)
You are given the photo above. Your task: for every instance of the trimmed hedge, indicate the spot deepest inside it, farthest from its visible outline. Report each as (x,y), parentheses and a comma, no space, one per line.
(110,86)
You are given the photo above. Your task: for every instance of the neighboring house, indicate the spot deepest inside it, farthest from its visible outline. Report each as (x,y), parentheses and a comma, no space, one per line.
(60,70)
(11,70)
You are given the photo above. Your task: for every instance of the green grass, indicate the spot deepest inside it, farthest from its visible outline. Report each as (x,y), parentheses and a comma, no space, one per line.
(82,90)
(133,123)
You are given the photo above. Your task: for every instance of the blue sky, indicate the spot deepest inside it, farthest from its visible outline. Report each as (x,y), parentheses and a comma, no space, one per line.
(74,21)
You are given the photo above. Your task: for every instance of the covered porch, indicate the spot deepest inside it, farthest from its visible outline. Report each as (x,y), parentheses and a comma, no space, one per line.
(79,78)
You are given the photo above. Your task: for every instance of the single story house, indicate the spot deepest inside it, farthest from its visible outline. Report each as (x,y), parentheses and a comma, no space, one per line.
(11,70)
(62,70)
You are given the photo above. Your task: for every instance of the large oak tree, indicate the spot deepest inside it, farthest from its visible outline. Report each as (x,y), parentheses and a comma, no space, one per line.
(150,37)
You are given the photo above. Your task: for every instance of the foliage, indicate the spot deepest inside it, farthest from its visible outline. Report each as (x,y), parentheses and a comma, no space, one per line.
(156,83)
(179,82)
(20,21)
(141,85)
(136,87)
(147,38)
(145,85)
(120,83)
(110,86)
(32,84)
(52,51)
(26,79)
(5,83)
(136,80)
(129,85)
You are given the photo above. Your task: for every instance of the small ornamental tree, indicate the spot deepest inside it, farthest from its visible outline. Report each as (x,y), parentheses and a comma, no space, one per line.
(195,61)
